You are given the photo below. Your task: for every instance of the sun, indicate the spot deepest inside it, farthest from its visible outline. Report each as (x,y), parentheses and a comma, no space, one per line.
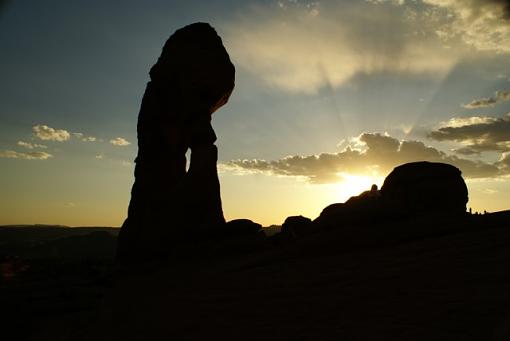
(354,184)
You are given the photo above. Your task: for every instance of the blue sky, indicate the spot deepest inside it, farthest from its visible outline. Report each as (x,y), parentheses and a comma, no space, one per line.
(311,78)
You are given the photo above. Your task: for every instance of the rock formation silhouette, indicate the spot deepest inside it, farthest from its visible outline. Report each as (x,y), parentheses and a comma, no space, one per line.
(296,226)
(426,188)
(242,227)
(192,79)
(415,189)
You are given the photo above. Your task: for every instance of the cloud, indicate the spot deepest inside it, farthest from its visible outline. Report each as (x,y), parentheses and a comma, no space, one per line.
(120,141)
(394,2)
(478,134)
(89,139)
(46,133)
(464,121)
(377,153)
(481,103)
(82,137)
(10,154)
(30,145)
(504,162)
(500,96)
(301,47)
(483,24)
(299,50)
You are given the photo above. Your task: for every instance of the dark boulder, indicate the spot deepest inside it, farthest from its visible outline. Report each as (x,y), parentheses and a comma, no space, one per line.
(297,226)
(419,188)
(242,227)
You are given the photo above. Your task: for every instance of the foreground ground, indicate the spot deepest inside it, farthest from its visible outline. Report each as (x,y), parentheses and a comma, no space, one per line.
(412,280)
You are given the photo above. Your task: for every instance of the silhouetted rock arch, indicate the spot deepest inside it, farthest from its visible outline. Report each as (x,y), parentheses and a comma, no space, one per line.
(192,78)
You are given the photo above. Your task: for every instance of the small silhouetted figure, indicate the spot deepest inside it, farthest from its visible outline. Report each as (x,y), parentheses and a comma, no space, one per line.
(192,78)
(374,191)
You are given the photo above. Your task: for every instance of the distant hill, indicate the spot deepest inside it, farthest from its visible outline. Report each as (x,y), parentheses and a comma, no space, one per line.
(57,241)
(272,229)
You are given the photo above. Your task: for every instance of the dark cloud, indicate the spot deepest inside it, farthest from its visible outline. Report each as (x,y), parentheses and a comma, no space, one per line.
(481,103)
(504,162)
(505,7)
(500,96)
(379,152)
(480,134)
(481,147)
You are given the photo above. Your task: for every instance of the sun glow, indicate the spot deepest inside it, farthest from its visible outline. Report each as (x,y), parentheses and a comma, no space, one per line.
(352,185)
(271,199)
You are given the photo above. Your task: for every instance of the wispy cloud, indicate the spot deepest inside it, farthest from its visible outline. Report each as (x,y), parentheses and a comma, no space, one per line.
(120,141)
(369,153)
(499,97)
(30,145)
(82,137)
(456,122)
(25,156)
(504,162)
(482,24)
(503,76)
(299,49)
(46,133)
(303,46)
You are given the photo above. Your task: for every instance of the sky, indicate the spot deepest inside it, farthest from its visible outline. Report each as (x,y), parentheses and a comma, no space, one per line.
(330,96)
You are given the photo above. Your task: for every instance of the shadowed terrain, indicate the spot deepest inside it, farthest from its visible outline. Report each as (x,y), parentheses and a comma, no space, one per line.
(411,280)
(52,272)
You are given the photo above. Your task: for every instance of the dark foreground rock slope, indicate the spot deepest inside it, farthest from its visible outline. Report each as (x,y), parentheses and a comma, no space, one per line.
(399,281)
